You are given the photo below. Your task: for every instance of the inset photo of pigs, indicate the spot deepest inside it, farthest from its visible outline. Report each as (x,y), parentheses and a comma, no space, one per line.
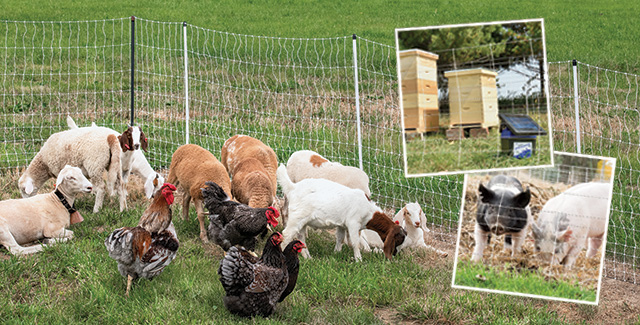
(537,232)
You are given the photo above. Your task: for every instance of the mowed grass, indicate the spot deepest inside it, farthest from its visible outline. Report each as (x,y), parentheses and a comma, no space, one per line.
(476,275)
(76,282)
(434,154)
(609,43)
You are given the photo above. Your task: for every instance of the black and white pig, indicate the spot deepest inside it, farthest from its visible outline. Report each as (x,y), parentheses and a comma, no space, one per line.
(503,208)
(571,221)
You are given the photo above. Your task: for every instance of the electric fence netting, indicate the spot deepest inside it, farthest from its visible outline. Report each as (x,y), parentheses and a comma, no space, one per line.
(201,86)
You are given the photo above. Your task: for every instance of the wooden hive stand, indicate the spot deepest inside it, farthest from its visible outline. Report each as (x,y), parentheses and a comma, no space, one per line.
(419,87)
(473,98)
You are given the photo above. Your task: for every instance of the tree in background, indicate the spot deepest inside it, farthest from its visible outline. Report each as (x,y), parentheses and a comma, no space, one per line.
(496,47)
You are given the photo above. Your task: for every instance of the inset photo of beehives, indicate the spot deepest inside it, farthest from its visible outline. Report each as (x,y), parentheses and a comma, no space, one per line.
(474,97)
(537,232)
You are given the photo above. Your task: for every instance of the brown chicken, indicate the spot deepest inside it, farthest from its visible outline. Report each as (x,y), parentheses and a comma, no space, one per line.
(157,216)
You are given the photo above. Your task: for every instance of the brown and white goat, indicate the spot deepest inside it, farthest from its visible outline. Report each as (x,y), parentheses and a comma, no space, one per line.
(323,204)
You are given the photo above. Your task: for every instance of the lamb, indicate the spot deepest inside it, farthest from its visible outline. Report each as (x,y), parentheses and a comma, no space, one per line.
(192,166)
(412,219)
(93,150)
(305,164)
(252,167)
(321,203)
(133,160)
(44,216)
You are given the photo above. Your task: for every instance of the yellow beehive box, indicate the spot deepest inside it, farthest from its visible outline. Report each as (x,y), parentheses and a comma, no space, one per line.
(419,86)
(473,97)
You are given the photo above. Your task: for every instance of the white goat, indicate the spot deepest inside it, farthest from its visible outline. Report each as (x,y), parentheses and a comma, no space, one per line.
(320,203)
(134,161)
(412,219)
(43,216)
(93,150)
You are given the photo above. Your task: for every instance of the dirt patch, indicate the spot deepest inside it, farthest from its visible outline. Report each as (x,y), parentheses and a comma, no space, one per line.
(619,304)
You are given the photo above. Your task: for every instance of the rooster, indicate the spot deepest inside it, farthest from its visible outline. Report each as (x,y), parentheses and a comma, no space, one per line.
(232,223)
(253,286)
(144,251)
(157,216)
(293,265)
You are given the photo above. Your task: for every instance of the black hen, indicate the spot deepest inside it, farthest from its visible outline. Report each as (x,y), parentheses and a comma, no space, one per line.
(293,265)
(253,285)
(232,223)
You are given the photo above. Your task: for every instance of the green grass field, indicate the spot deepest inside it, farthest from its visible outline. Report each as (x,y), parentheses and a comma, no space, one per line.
(475,275)
(76,282)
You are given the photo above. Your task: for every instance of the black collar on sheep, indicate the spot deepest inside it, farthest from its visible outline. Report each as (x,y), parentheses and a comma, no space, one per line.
(74,215)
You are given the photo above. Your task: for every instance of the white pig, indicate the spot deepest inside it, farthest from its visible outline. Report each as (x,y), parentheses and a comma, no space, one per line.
(569,220)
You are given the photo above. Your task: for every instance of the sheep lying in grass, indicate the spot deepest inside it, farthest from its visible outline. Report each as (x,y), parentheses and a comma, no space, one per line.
(93,150)
(412,219)
(191,167)
(132,159)
(252,166)
(43,216)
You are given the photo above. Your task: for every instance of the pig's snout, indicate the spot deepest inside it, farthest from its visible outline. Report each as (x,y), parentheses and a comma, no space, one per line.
(497,229)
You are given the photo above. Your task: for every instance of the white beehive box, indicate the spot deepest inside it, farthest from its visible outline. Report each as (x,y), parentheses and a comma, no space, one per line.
(419,86)
(473,98)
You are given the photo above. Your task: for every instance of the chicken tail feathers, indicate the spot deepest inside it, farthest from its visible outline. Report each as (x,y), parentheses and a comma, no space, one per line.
(213,195)
(125,244)
(236,272)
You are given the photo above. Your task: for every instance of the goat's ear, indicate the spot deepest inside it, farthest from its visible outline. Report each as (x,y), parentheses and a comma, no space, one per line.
(144,143)
(28,186)
(390,242)
(125,140)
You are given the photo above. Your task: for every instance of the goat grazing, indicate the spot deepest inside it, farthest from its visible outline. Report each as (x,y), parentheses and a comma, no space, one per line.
(320,203)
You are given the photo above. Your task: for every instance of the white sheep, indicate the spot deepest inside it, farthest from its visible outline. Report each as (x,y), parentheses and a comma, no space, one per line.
(93,150)
(43,216)
(133,160)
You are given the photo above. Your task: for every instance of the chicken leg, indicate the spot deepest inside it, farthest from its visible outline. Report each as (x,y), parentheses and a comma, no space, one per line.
(129,281)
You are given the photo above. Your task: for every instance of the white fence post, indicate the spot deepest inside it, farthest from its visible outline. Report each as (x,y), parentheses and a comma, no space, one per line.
(355,68)
(186,82)
(575,100)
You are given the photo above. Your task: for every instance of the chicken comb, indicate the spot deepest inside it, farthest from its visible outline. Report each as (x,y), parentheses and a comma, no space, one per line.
(170,186)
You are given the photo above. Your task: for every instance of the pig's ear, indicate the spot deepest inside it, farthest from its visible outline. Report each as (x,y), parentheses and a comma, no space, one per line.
(537,232)
(486,195)
(522,200)
(565,236)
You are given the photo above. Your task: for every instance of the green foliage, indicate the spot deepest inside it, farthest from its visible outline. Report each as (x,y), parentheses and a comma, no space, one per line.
(476,275)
